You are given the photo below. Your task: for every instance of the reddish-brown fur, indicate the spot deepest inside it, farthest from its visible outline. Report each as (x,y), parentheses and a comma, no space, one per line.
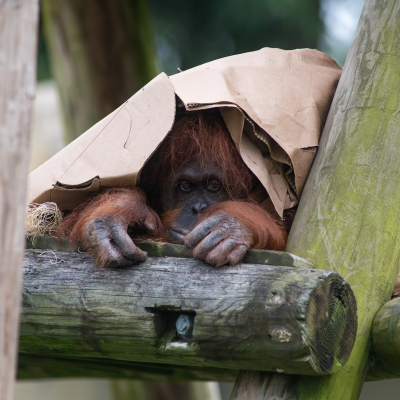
(118,202)
(200,135)
(267,233)
(195,135)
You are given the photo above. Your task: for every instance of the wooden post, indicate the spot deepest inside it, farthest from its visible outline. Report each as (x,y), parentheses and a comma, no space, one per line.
(18,40)
(348,219)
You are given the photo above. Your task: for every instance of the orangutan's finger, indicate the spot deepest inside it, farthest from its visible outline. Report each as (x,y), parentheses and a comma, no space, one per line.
(238,254)
(208,243)
(151,222)
(202,230)
(110,245)
(125,245)
(98,243)
(220,255)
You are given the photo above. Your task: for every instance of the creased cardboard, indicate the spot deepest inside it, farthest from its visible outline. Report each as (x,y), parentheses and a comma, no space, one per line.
(274,103)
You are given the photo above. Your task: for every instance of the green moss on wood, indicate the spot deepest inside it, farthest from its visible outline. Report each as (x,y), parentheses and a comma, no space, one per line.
(158,249)
(348,219)
(36,366)
(252,316)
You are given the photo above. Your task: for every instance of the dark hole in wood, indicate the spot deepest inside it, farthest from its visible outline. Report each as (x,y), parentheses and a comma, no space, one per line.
(165,318)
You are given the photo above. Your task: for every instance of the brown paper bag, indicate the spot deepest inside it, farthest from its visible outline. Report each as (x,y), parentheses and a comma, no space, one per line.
(274,103)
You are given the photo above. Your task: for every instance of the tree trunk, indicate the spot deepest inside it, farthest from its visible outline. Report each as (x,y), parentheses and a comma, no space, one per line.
(18,41)
(101,53)
(348,219)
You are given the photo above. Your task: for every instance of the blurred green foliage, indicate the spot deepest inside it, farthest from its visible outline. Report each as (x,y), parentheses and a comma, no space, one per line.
(192,32)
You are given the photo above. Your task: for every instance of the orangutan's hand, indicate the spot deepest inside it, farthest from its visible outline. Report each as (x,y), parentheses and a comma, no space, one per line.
(101,226)
(107,240)
(219,239)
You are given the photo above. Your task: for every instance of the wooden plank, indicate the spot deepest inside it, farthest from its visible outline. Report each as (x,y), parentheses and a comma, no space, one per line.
(266,317)
(18,40)
(159,249)
(33,366)
(348,219)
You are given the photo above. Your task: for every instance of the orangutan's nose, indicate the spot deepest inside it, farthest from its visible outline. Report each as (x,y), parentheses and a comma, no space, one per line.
(199,207)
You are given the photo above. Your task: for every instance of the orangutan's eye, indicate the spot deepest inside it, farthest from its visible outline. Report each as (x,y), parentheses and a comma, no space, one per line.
(213,185)
(185,186)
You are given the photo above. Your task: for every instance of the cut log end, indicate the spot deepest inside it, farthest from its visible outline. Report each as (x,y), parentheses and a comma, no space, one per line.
(331,324)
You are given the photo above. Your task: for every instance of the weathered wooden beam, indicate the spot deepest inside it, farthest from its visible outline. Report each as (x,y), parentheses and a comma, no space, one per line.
(294,320)
(159,249)
(385,360)
(348,219)
(18,44)
(33,366)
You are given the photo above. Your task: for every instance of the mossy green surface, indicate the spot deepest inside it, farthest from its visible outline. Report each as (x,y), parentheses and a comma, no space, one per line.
(73,308)
(348,219)
(160,249)
(36,366)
